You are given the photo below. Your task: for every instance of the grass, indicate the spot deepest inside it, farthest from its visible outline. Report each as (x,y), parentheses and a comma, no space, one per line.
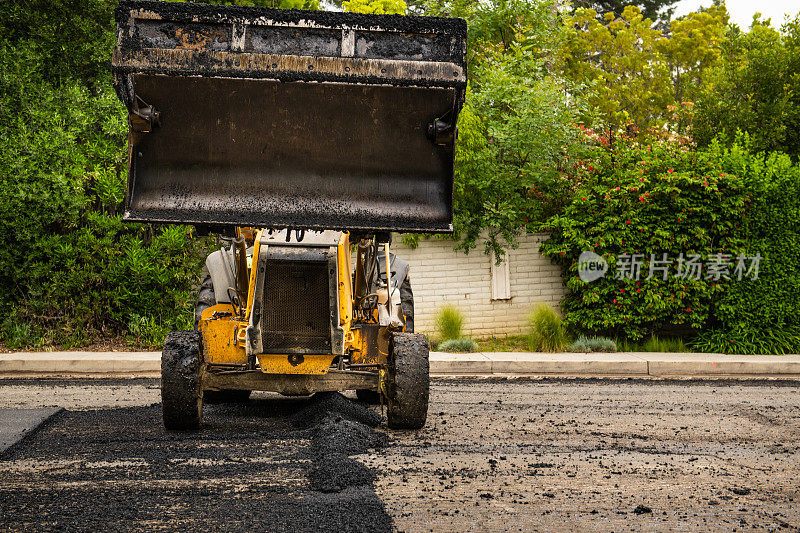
(654,344)
(519,343)
(516,343)
(462,345)
(546,332)
(593,344)
(449,323)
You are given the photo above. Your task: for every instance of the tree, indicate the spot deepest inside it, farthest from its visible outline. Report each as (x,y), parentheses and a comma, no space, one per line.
(69,268)
(651,9)
(517,141)
(377,7)
(755,89)
(494,25)
(693,46)
(636,75)
(618,61)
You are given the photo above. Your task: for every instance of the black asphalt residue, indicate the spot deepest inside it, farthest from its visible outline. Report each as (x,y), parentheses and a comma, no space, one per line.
(269,465)
(188,12)
(338,429)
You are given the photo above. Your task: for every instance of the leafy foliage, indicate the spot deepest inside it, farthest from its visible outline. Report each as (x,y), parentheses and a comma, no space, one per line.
(691,49)
(652,9)
(768,309)
(632,72)
(69,268)
(755,89)
(748,341)
(614,59)
(517,140)
(377,7)
(659,199)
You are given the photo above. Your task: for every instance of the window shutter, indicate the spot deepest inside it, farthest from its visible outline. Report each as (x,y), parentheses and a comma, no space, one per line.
(501,279)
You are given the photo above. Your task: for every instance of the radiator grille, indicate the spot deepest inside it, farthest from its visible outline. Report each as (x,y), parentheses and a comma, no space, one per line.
(296,309)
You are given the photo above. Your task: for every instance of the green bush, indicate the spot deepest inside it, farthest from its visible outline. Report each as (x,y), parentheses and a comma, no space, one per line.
(667,199)
(655,344)
(464,344)
(648,199)
(749,341)
(593,344)
(70,270)
(449,322)
(20,335)
(546,331)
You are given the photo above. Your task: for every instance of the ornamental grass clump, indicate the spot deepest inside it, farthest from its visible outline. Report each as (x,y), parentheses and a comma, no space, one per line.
(593,344)
(546,331)
(449,323)
(464,344)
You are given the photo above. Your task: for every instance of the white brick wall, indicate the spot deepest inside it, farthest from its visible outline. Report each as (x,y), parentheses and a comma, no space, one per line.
(440,275)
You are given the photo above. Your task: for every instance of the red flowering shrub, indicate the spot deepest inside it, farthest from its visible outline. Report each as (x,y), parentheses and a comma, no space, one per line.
(665,199)
(656,200)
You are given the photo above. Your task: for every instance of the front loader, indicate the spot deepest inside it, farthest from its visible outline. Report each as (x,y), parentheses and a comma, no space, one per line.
(303,138)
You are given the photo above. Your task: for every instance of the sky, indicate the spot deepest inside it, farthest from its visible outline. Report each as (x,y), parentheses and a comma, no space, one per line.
(741,11)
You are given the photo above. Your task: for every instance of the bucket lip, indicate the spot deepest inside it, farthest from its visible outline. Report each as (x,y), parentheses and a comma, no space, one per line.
(135,217)
(174,11)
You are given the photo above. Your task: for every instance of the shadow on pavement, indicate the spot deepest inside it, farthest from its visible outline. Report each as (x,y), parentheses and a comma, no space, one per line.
(272,464)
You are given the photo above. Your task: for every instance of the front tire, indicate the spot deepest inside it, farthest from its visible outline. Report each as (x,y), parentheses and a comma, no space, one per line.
(408,381)
(181,375)
(372,397)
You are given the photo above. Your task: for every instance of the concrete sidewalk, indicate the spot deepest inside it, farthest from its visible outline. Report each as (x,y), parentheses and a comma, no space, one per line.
(623,364)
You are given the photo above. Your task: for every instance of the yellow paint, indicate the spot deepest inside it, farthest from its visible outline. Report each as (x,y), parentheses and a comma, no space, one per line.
(345,282)
(251,288)
(313,364)
(220,334)
(360,351)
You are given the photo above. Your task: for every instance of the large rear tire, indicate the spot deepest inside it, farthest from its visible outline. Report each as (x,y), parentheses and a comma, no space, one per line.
(181,376)
(408,381)
(407,303)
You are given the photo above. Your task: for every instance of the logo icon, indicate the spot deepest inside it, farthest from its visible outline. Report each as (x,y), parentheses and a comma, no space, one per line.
(591,266)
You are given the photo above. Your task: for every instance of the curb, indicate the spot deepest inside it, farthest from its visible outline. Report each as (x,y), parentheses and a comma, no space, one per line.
(80,364)
(624,364)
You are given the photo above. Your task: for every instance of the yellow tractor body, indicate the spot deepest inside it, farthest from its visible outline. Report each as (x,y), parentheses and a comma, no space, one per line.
(303,138)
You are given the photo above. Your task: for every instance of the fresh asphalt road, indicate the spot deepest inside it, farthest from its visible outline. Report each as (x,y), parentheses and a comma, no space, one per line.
(497,454)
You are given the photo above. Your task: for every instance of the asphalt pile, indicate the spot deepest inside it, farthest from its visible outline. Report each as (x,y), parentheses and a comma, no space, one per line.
(339,429)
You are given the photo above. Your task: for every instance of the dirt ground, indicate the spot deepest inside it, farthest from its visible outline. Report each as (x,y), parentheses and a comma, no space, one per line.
(520,455)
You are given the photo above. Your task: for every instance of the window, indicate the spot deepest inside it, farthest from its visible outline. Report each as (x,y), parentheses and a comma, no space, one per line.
(501,278)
